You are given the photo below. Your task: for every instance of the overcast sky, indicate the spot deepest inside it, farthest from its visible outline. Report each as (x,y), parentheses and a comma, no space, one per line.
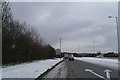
(77,23)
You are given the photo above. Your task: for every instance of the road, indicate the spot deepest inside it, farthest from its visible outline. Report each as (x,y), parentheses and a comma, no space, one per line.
(77,69)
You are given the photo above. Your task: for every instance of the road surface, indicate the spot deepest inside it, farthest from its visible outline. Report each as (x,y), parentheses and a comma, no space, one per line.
(77,69)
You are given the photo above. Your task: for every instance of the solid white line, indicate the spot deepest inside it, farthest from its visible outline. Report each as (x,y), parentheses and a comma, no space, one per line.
(94,73)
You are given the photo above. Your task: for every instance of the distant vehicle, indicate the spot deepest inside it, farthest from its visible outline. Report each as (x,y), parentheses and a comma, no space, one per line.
(58,52)
(66,56)
(70,57)
(84,54)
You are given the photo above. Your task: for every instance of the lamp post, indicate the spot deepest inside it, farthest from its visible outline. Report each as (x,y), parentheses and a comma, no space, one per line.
(94,46)
(118,29)
(79,48)
(60,49)
(90,46)
(60,44)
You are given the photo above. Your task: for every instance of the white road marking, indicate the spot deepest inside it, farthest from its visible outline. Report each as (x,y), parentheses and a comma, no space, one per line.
(107,71)
(95,73)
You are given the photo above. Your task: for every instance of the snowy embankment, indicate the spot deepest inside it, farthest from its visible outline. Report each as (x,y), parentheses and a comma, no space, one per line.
(108,63)
(29,70)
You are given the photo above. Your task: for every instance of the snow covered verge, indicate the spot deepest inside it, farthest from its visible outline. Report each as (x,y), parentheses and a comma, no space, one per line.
(29,70)
(108,63)
(0,73)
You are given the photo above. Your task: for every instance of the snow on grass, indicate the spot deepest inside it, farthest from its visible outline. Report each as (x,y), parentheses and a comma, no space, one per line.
(0,72)
(28,70)
(108,63)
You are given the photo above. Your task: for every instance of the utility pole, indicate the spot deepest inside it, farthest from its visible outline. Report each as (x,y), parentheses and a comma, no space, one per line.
(79,48)
(60,44)
(60,48)
(94,46)
(90,49)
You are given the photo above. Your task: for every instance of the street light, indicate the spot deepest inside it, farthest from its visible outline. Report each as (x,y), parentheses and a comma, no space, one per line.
(90,46)
(79,48)
(94,46)
(116,19)
(60,44)
(60,48)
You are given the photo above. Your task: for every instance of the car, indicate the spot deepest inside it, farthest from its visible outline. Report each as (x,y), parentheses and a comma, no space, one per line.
(71,58)
(65,57)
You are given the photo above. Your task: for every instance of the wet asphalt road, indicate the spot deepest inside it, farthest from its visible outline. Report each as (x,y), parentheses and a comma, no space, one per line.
(76,69)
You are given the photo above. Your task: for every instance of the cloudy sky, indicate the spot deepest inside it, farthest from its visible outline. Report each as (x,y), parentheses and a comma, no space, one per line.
(78,24)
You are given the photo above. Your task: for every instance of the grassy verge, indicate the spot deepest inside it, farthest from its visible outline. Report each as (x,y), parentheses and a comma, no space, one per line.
(47,71)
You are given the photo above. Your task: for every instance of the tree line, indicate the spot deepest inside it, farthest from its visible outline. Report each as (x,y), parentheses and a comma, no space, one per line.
(20,43)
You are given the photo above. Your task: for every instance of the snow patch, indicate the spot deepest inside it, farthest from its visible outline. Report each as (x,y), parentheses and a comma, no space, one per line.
(0,72)
(109,63)
(28,70)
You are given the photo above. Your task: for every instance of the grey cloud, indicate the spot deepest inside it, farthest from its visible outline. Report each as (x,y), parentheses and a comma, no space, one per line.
(76,23)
